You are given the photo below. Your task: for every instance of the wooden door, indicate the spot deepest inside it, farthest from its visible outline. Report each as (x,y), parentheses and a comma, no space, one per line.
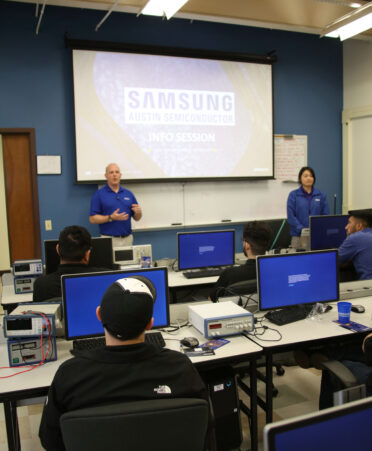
(21,193)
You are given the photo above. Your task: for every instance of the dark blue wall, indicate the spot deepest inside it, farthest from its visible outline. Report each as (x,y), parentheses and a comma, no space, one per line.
(36,91)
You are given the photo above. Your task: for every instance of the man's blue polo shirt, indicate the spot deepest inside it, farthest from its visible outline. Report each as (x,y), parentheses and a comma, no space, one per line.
(357,248)
(105,201)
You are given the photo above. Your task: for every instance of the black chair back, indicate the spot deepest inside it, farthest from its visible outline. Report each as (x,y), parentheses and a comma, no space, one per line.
(157,425)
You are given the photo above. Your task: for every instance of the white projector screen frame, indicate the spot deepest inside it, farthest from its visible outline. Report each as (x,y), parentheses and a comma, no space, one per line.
(161,118)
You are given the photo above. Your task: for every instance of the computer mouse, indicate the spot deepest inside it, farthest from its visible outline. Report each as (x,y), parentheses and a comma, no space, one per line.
(190,342)
(358,308)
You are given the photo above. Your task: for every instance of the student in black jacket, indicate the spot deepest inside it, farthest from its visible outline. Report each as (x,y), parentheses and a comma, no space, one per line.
(256,241)
(74,246)
(127,368)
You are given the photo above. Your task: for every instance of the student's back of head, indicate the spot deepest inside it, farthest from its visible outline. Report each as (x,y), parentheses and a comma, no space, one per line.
(258,235)
(74,242)
(126,308)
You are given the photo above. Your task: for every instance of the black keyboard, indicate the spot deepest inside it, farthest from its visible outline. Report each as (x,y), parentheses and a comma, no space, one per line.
(194,274)
(154,338)
(289,314)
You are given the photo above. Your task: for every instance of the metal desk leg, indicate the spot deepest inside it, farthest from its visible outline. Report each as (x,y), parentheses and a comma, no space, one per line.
(269,388)
(11,421)
(254,422)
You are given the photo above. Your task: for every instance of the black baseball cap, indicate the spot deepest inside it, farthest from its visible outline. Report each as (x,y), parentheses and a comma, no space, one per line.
(127,307)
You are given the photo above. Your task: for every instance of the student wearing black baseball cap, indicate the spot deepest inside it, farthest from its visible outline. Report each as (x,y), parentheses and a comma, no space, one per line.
(127,368)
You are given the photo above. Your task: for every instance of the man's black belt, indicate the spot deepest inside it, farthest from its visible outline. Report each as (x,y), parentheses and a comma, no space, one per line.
(119,236)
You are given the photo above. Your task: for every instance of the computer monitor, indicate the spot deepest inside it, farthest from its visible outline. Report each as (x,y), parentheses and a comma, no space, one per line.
(341,428)
(101,255)
(206,249)
(327,232)
(82,294)
(300,278)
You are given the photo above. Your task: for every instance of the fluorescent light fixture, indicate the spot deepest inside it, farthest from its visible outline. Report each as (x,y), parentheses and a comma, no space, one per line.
(351,24)
(162,7)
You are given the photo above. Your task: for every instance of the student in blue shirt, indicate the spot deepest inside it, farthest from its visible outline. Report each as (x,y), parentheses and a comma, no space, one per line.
(304,202)
(357,247)
(112,208)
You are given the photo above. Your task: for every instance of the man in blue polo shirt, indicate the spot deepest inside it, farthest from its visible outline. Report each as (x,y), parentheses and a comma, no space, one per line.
(357,247)
(112,208)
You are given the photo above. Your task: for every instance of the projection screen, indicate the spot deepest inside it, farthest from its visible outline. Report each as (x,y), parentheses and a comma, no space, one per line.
(171,118)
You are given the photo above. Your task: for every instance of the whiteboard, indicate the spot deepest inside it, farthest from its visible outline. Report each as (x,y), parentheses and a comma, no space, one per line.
(167,205)
(210,202)
(162,204)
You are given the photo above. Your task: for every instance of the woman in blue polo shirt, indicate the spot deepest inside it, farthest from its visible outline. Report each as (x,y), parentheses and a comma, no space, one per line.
(303,202)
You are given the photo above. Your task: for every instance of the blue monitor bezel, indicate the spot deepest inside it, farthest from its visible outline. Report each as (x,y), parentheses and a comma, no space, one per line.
(320,218)
(294,255)
(271,431)
(179,234)
(124,273)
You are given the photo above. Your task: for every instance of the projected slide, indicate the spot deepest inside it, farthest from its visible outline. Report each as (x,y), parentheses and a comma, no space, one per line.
(166,117)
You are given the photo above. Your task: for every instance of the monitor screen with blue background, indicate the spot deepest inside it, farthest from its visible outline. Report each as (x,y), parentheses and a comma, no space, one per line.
(82,294)
(206,249)
(300,278)
(341,428)
(327,232)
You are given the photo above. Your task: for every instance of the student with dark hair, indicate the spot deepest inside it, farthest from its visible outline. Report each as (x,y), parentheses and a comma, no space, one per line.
(127,368)
(357,247)
(257,237)
(73,247)
(303,202)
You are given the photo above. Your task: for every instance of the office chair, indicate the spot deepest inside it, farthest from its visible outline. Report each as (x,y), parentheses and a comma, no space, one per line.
(244,287)
(347,387)
(159,425)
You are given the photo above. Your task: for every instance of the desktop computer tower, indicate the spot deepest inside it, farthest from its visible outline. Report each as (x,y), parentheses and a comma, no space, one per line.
(222,389)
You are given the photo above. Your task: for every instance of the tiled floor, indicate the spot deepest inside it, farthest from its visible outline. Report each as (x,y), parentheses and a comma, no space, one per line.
(298,394)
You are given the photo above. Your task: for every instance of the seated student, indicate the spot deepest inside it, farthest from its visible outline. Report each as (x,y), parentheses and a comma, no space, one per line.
(73,247)
(361,367)
(256,241)
(127,368)
(357,247)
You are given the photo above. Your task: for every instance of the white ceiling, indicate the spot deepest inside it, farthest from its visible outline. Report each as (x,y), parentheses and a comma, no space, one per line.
(309,16)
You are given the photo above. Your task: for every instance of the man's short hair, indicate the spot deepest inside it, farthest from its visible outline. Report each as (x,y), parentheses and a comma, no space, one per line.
(127,307)
(74,242)
(364,216)
(258,235)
